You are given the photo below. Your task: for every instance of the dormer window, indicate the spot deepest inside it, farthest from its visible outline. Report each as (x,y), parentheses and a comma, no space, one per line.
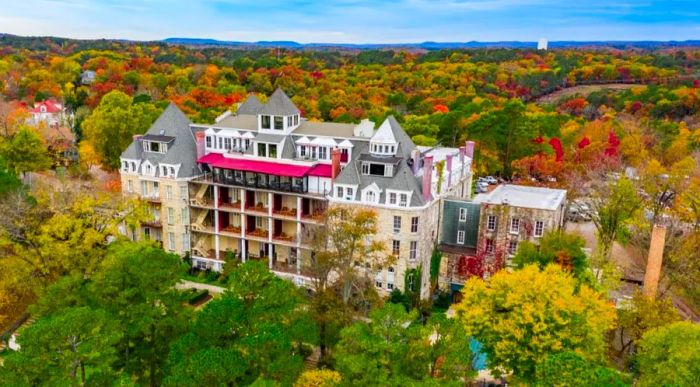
(208,140)
(265,122)
(371,196)
(279,123)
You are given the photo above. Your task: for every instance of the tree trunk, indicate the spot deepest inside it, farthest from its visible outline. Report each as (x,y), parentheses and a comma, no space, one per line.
(154,357)
(82,373)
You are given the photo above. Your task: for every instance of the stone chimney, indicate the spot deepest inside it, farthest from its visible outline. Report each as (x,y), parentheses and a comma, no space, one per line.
(335,163)
(656,255)
(199,140)
(448,168)
(427,178)
(469,149)
(415,156)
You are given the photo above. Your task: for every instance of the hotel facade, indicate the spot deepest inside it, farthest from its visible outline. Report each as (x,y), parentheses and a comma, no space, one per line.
(255,183)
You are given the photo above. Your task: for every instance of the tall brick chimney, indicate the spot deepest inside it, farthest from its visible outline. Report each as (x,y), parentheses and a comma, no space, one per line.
(427,177)
(335,163)
(469,149)
(656,255)
(448,167)
(199,140)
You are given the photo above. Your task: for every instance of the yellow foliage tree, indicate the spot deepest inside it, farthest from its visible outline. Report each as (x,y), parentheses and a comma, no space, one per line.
(522,317)
(318,378)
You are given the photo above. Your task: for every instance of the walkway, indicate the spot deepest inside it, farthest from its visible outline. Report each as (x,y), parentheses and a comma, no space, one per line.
(185,285)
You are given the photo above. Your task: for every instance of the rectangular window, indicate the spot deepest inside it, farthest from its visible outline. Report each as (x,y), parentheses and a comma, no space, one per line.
(144,188)
(414,224)
(208,140)
(156,191)
(390,286)
(512,247)
(302,151)
(262,149)
(185,242)
(397,223)
(279,123)
(289,121)
(221,143)
(272,151)
(348,194)
(389,170)
(339,194)
(378,284)
(171,241)
(185,215)
(413,252)
(227,143)
(171,216)
(515,225)
(265,122)
(491,223)
(392,197)
(130,186)
(462,214)
(396,247)
(460,237)
(403,200)
(539,228)
(376,169)
(489,246)
(168,192)
(322,153)
(296,120)
(365,168)
(259,224)
(183,192)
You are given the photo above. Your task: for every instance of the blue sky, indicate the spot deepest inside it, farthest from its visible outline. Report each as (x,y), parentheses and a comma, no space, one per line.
(355,21)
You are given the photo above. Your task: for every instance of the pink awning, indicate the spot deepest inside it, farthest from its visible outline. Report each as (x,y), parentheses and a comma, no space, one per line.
(219,161)
(321,170)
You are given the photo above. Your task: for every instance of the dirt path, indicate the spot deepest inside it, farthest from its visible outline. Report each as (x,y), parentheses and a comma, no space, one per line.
(583,90)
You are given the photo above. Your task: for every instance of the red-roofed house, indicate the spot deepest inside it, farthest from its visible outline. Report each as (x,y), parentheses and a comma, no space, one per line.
(50,112)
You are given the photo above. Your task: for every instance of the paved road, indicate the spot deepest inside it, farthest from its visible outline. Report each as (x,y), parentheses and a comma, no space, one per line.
(184,285)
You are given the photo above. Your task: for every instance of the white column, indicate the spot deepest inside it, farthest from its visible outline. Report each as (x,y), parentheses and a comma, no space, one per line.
(216,196)
(269,256)
(216,246)
(269,204)
(298,208)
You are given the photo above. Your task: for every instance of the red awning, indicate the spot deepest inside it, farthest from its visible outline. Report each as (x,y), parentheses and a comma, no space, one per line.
(219,161)
(321,170)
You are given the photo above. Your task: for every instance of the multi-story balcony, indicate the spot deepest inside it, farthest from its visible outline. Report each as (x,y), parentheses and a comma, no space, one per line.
(256,180)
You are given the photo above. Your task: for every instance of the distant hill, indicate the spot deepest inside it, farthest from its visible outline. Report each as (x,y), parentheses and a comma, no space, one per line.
(38,42)
(433,45)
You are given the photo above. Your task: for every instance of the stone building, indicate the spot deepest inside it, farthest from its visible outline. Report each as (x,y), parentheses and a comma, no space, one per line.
(488,229)
(157,167)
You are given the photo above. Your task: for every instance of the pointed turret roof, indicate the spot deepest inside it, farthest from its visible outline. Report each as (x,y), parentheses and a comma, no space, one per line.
(173,125)
(279,105)
(251,106)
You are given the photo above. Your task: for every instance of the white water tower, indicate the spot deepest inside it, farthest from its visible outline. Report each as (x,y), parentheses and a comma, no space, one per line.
(542,44)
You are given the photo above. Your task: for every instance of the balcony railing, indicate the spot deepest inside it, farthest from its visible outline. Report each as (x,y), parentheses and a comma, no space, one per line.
(258,233)
(314,216)
(152,197)
(284,211)
(231,229)
(282,237)
(258,208)
(235,205)
(155,223)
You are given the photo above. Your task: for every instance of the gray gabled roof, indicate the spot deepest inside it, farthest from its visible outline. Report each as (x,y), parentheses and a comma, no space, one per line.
(279,105)
(406,145)
(251,106)
(182,150)
(403,179)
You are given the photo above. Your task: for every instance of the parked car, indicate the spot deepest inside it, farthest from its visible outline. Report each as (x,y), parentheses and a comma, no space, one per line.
(491,180)
(578,212)
(482,187)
